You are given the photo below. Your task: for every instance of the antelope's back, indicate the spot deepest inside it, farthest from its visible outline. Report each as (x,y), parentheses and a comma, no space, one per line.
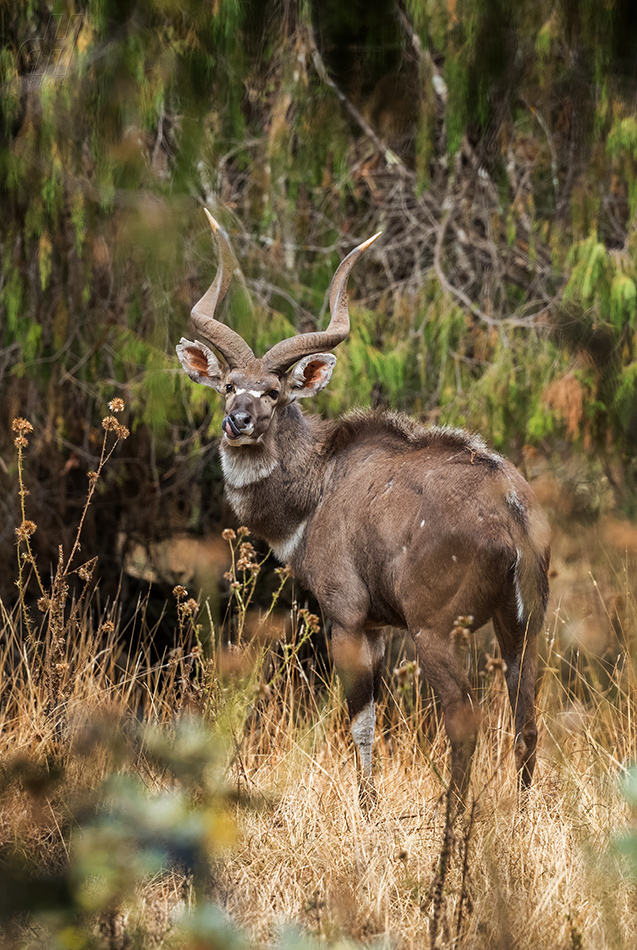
(422,515)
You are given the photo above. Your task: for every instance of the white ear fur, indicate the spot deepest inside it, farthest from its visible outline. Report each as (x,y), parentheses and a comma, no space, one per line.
(311,375)
(200,363)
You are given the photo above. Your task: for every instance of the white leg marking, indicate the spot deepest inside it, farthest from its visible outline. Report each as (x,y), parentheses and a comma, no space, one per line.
(362,729)
(284,550)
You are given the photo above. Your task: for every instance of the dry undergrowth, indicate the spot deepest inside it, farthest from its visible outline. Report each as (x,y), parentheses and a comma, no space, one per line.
(543,876)
(301,852)
(242,758)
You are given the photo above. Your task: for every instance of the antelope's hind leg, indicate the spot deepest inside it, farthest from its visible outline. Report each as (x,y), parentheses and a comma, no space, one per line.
(518,645)
(358,658)
(441,667)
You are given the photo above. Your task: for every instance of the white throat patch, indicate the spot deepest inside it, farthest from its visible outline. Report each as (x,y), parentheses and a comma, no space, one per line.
(240,471)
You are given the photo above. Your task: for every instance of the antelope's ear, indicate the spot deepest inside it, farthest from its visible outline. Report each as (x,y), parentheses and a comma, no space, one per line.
(200,363)
(311,375)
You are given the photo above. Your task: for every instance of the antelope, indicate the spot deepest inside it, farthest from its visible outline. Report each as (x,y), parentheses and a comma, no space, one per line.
(386,521)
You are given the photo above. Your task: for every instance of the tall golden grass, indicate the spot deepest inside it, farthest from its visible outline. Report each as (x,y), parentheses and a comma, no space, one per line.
(138,798)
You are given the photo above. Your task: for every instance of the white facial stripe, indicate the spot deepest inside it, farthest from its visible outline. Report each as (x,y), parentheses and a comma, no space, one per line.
(253,392)
(284,550)
(240,472)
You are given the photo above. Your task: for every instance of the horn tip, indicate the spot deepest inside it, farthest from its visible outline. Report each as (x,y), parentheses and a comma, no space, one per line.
(213,223)
(370,240)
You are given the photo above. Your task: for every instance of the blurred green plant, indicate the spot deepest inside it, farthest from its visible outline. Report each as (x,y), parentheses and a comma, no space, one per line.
(626,844)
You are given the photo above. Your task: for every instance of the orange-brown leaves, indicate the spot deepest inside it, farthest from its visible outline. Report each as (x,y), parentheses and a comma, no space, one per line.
(566,397)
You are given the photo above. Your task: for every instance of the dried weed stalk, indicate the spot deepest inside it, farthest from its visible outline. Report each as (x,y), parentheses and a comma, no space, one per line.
(49,651)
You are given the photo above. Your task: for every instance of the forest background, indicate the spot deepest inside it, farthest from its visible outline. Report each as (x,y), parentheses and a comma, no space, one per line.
(495,146)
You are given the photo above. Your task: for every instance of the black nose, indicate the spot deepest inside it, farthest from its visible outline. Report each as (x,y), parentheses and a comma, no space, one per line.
(237,421)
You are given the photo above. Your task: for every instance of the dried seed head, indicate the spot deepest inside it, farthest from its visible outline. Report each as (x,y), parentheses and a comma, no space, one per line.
(242,531)
(228,534)
(246,560)
(21,426)
(461,635)
(116,405)
(110,423)
(494,663)
(122,432)
(92,477)
(107,627)
(85,572)
(179,592)
(189,607)
(462,630)
(229,576)
(405,673)
(43,604)
(311,621)
(26,529)
(20,442)
(283,571)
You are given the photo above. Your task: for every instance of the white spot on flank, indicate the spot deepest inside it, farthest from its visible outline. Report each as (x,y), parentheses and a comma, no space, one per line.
(422,523)
(240,471)
(284,550)
(454,558)
(362,729)
(518,592)
(513,501)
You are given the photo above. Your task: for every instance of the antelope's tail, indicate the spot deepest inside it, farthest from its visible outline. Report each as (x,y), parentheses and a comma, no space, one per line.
(531,572)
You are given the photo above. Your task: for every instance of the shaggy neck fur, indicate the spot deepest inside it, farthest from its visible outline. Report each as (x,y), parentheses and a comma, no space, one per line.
(274,485)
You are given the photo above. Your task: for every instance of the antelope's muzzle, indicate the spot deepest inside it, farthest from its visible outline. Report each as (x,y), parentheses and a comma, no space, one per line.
(236,424)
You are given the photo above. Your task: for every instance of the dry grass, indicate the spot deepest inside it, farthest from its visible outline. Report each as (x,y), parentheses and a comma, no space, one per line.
(542,875)
(265,789)
(534,877)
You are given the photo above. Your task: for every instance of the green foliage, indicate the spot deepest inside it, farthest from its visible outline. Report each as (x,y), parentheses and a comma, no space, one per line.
(623,300)
(622,138)
(626,844)
(162,106)
(626,397)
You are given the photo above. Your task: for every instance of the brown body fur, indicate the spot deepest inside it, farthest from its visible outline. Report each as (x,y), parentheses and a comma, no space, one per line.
(412,527)
(385,521)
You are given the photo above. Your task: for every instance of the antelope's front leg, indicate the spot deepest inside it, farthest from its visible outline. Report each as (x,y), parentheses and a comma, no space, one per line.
(358,658)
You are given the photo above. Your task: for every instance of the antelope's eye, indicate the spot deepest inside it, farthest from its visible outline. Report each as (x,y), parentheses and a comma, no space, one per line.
(274,394)
(229,387)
